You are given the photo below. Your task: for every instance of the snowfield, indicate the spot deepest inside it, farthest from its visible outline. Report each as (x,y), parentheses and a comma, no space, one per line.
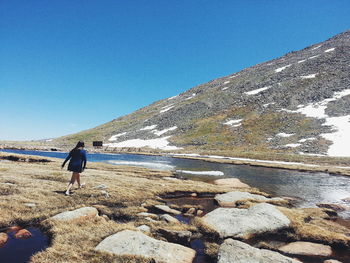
(159,143)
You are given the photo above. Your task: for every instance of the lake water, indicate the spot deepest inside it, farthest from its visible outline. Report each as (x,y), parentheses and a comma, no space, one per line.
(308,188)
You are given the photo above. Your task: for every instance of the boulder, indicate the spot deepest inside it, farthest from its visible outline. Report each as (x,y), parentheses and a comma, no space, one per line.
(199,212)
(231,198)
(335,207)
(231,182)
(332,261)
(346,199)
(23,234)
(182,237)
(242,223)
(3,239)
(167,209)
(78,214)
(306,249)
(169,218)
(135,243)
(234,251)
(29,204)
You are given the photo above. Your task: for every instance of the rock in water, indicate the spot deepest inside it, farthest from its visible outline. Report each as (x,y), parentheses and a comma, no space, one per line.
(307,249)
(135,243)
(233,251)
(167,209)
(78,214)
(230,198)
(3,239)
(234,222)
(231,182)
(23,234)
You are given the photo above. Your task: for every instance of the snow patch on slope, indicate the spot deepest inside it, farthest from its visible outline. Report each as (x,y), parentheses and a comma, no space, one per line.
(234,123)
(256,91)
(159,143)
(165,130)
(282,68)
(114,137)
(151,127)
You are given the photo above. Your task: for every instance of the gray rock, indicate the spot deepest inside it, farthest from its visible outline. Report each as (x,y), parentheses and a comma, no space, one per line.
(332,261)
(230,198)
(233,251)
(30,204)
(182,237)
(78,214)
(167,209)
(169,218)
(234,222)
(144,228)
(135,243)
(306,249)
(145,214)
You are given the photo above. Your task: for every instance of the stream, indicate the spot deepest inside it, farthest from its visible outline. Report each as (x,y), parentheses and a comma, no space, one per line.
(308,188)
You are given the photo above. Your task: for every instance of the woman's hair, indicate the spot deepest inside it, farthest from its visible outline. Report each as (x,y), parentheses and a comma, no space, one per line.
(80,144)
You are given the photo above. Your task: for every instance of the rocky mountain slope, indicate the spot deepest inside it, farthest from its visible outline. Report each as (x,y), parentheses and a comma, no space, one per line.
(298,103)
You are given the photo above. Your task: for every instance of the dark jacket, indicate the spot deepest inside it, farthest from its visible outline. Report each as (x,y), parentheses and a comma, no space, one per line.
(77,162)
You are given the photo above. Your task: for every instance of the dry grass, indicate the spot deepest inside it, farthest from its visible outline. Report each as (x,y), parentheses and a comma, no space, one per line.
(130,190)
(311,224)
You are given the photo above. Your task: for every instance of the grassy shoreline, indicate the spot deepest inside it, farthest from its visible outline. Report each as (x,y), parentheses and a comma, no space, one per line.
(131,190)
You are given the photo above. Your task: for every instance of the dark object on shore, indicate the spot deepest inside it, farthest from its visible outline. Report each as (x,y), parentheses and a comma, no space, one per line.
(97,143)
(53,149)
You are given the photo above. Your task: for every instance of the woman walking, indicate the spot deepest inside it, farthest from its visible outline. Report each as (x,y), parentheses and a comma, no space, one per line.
(76,165)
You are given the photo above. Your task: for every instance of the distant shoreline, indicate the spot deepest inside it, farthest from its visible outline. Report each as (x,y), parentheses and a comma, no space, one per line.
(298,166)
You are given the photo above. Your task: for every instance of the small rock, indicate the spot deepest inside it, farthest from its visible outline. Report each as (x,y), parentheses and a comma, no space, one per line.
(231,182)
(143,204)
(170,178)
(101,186)
(150,220)
(105,193)
(105,217)
(332,261)
(144,228)
(13,229)
(78,214)
(306,249)
(347,199)
(135,243)
(335,207)
(199,212)
(167,209)
(182,237)
(30,204)
(145,214)
(3,239)
(242,223)
(169,218)
(234,251)
(23,234)
(191,211)
(194,194)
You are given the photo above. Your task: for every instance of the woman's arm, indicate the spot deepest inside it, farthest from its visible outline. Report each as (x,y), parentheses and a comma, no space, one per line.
(68,157)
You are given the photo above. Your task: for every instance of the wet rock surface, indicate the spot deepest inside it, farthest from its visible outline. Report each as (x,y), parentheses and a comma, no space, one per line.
(167,209)
(234,251)
(242,223)
(129,242)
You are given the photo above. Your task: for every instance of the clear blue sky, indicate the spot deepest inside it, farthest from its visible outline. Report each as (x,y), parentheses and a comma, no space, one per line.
(70,65)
